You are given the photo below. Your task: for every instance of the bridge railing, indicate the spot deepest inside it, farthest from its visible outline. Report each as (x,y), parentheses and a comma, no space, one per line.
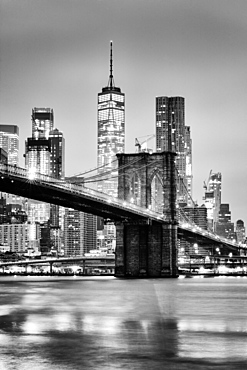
(79,190)
(210,234)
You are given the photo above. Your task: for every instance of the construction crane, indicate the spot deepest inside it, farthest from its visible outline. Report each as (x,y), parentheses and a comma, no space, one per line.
(205,184)
(142,147)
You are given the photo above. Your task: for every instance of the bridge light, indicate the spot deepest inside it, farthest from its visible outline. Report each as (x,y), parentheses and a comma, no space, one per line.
(31,173)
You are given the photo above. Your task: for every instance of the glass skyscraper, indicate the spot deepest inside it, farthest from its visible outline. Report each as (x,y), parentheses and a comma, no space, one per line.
(173,135)
(111,138)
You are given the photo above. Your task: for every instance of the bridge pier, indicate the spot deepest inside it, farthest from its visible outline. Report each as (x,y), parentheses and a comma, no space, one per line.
(146,250)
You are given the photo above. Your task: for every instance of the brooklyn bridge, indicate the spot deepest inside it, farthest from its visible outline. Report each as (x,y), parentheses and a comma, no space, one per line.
(149,224)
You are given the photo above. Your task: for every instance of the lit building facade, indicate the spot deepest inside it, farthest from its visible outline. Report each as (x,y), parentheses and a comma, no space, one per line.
(212,198)
(9,141)
(57,170)
(173,135)
(57,154)
(9,152)
(240,231)
(16,236)
(37,160)
(38,147)
(73,232)
(224,227)
(111,139)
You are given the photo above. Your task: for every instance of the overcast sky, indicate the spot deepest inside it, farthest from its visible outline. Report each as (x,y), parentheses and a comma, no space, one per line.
(55,53)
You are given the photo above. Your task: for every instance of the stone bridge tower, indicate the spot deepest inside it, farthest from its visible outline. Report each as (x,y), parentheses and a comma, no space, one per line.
(147,249)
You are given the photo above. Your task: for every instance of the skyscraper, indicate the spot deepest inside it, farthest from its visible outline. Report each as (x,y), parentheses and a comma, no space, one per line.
(38,147)
(57,170)
(9,144)
(79,232)
(40,157)
(212,198)
(240,231)
(37,156)
(57,155)
(9,141)
(224,227)
(111,138)
(173,135)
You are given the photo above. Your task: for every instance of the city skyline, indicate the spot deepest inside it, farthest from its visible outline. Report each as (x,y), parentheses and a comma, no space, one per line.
(56,55)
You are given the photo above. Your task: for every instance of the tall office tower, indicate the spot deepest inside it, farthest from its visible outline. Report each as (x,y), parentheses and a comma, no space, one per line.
(111,140)
(57,156)
(240,231)
(9,146)
(188,164)
(57,165)
(212,198)
(37,158)
(173,135)
(9,141)
(42,122)
(224,227)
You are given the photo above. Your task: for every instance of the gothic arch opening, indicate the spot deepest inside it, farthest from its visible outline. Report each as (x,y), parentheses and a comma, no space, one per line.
(135,189)
(157,203)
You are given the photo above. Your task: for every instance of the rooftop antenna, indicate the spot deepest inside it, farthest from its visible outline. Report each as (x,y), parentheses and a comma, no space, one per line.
(111,80)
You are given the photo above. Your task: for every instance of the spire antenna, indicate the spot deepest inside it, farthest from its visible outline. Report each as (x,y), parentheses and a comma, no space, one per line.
(111,80)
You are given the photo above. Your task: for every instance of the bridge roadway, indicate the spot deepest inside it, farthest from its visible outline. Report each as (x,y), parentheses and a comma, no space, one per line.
(105,260)
(19,181)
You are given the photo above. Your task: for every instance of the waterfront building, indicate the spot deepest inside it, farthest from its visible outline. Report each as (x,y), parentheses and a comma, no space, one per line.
(111,140)
(173,135)
(73,232)
(9,141)
(15,236)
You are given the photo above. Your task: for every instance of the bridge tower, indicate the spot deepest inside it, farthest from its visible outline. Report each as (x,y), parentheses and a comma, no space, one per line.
(147,249)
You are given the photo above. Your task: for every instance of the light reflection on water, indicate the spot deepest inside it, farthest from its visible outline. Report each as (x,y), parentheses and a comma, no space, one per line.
(95,323)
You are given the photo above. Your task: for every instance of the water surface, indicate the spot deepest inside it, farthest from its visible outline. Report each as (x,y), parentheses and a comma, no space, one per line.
(109,323)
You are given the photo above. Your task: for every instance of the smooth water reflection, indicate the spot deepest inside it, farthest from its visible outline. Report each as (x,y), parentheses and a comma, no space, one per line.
(108,323)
